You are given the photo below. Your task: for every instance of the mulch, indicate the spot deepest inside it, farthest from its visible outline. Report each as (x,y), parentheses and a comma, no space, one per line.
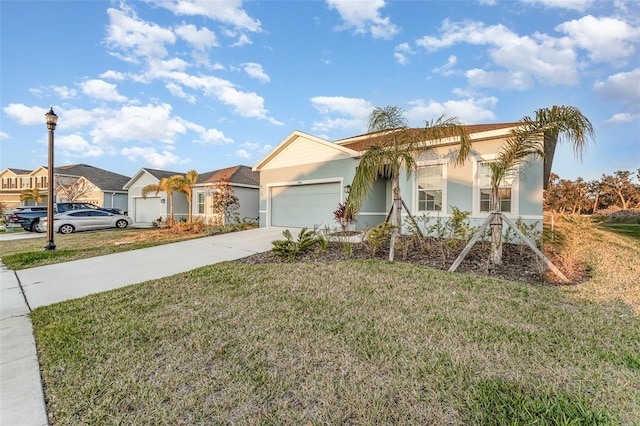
(519,263)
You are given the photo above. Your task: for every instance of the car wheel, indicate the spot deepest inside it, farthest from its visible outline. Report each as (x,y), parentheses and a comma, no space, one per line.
(39,226)
(121,224)
(66,229)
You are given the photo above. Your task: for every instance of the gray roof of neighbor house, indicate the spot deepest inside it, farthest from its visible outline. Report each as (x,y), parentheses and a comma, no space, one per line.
(19,171)
(242,175)
(103,179)
(161,174)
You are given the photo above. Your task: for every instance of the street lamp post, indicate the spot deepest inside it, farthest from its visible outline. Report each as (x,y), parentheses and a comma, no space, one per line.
(52,120)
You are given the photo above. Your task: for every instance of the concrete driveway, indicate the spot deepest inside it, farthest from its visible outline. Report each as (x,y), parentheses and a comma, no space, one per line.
(21,396)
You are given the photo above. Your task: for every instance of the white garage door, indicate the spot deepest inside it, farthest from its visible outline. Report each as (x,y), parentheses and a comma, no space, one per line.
(147,210)
(303,206)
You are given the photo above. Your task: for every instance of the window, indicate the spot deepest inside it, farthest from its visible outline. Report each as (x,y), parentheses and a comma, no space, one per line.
(430,188)
(201,203)
(504,191)
(25,183)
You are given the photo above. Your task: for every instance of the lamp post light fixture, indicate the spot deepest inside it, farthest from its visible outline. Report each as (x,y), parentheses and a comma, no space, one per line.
(52,120)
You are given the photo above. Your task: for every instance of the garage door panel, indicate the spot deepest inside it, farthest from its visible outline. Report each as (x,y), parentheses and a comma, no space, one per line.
(147,210)
(304,205)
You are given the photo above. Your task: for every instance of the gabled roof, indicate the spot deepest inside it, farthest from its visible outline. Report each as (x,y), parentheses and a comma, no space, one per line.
(103,179)
(294,137)
(158,174)
(17,171)
(242,175)
(475,131)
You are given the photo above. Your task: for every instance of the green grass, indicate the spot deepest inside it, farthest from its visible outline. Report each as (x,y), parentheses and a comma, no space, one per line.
(29,252)
(359,342)
(626,229)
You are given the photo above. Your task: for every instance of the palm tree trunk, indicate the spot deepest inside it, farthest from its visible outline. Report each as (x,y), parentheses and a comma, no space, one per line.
(496,228)
(397,216)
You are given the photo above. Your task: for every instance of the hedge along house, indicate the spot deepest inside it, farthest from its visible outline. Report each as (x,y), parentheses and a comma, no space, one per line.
(304,178)
(144,211)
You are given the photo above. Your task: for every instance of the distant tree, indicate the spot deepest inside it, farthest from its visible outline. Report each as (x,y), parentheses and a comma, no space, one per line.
(32,194)
(167,185)
(620,188)
(225,203)
(595,193)
(75,190)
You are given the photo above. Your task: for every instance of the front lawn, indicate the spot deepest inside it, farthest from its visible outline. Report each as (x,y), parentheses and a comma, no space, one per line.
(626,229)
(355,342)
(28,253)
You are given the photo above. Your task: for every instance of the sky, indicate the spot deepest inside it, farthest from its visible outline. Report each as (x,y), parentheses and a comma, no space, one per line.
(207,84)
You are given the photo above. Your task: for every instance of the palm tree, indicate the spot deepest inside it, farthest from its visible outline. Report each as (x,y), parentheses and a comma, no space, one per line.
(535,139)
(395,149)
(188,181)
(168,185)
(32,194)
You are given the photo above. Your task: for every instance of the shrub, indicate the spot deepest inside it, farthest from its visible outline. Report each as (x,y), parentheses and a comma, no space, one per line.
(624,216)
(307,240)
(378,236)
(343,217)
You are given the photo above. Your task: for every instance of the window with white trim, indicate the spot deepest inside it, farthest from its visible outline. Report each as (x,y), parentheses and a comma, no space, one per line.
(430,188)
(484,184)
(201,203)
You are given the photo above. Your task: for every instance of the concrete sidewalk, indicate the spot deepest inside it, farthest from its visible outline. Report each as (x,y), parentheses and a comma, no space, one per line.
(21,396)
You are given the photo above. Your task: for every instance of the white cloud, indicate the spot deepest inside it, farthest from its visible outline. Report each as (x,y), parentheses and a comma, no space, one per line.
(624,86)
(177,91)
(355,112)
(150,156)
(251,146)
(578,5)
(4,135)
(228,12)
(606,39)
(245,104)
(504,80)
(622,118)
(254,70)
(546,59)
(402,53)
(100,89)
(113,75)
(214,137)
(137,123)
(134,37)
(243,40)
(242,153)
(201,39)
(468,110)
(364,17)
(26,115)
(266,148)
(447,69)
(76,146)
(63,92)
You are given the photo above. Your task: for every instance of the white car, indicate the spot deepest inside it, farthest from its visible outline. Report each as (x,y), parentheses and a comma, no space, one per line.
(86,220)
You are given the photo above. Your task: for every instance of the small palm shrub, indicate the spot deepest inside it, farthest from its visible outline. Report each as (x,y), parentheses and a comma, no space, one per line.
(307,240)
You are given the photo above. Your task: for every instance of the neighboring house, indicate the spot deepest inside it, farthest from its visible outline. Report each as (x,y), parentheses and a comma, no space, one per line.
(243,180)
(304,178)
(104,188)
(246,186)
